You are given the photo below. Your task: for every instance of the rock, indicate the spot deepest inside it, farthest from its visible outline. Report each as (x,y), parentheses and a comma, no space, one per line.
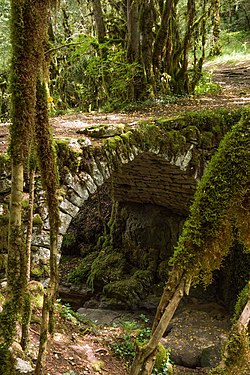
(196,337)
(108,317)
(210,356)
(68,208)
(23,367)
(75,295)
(103,131)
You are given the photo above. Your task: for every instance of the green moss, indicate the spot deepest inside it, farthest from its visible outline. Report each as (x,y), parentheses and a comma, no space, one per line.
(4,162)
(68,241)
(80,274)
(162,357)
(220,191)
(131,290)
(37,220)
(40,272)
(107,267)
(67,157)
(241,302)
(25,204)
(207,140)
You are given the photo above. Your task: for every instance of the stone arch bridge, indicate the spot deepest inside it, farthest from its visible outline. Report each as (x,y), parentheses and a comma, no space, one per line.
(156,162)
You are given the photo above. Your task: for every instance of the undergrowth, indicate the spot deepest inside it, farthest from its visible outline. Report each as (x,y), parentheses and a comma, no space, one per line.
(132,335)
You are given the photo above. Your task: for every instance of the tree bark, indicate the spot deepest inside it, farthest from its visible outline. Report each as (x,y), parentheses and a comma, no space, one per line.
(46,158)
(235,358)
(145,358)
(147,23)
(161,36)
(99,21)
(133,44)
(216,45)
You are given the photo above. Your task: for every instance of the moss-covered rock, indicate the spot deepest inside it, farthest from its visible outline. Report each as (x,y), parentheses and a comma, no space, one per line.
(131,290)
(107,267)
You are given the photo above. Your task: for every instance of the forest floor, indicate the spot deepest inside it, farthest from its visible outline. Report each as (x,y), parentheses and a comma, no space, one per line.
(84,348)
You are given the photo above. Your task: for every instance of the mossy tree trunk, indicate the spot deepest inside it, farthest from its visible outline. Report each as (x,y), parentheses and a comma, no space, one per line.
(27,298)
(99,21)
(47,162)
(26,47)
(145,359)
(134,47)
(216,45)
(182,85)
(28,34)
(147,38)
(161,37)
(207,233)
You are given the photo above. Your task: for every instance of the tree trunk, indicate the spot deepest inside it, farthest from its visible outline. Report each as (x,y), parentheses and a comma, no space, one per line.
(216,45)
(161,37)
(183,79)
(26,315)
(145,358)
(28,31)
(46,158)
(147,23)
(25,59)
(133,44)
(137,88)
(30,220)
(99,22)
(235,358)
(40,362)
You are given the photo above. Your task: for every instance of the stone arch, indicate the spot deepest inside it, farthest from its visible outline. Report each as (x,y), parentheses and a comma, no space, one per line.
(178,147)
(182,144)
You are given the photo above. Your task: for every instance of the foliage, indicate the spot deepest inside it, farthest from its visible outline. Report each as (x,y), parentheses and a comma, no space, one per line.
(132,334)
(4,59)
(4,35)
(81,273)
(80,320)
(87,75)
(206,85)
(235,15)
(92,82)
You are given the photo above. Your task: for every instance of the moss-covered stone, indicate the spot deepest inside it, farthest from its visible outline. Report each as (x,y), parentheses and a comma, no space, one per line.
(37,220)
(68,158)
(131,290)
(80,274)
(107,267)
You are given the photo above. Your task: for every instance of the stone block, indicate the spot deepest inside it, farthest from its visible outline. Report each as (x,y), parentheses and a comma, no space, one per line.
(69,208)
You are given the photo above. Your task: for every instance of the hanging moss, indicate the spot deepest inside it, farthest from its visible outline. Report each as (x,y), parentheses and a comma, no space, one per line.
(222,188)
(47,156)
